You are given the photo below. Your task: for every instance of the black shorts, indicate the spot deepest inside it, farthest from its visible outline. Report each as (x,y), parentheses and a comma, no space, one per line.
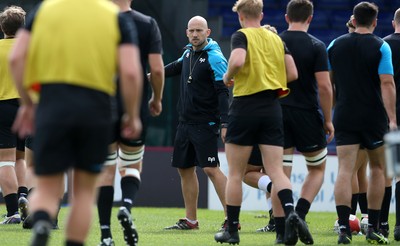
(29,142)
(303,129)
(21,144)
(255,119)
(118,112)
(255,157)
(248,131)
(8,111)
(73,129)
(116,135)
(196,145)
(370,140)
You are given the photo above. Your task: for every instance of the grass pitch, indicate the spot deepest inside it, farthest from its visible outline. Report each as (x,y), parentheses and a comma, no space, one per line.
(151,221)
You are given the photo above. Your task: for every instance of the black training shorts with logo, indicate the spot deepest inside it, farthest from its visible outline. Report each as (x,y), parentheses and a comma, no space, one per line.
(196,145)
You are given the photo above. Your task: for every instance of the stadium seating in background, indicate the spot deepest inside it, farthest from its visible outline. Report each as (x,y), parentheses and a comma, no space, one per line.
(321,19)
(227,31)
(283,4)
(394,4)
(385,21)
(272,4)
(276,18)
(330,16)
(339,19)
(333,4)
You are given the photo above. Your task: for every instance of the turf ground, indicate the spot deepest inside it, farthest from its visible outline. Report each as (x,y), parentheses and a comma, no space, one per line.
(151,221)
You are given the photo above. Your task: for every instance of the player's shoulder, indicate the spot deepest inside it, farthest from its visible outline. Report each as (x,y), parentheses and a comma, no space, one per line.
(392,37)
(300,35)
(142,18)
(315,40)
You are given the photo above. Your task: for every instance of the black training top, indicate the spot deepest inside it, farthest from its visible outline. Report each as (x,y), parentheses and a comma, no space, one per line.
(150,42)
(203,95)
(309,54)
(394,42)
(356,62)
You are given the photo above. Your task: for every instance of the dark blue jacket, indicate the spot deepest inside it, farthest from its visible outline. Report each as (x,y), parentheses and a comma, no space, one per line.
(203,95)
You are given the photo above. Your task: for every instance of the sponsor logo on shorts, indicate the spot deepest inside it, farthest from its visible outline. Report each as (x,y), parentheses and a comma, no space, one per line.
(211,159)
(377,142)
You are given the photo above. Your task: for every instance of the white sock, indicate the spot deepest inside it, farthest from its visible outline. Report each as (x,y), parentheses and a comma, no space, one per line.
(263,183)
(269,204)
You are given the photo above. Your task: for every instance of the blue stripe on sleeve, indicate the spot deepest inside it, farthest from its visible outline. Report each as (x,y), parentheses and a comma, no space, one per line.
(327,49)
(218,63)
(385,65)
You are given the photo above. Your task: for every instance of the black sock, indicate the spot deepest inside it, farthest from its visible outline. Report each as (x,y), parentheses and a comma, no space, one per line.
(373,218)
(271,217)
(302,208)
(286,197)
(354,202)
(269,187)
(72,243)
(40,215)
(397,196)
(280,225)
(104,206)
(362,202)
(233,217)
(343,214)
(22,191)
(11,201)
(129,187)
(384,215)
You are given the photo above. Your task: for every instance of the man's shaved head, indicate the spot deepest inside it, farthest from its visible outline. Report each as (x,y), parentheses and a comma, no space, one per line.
(198,20)
(197,31)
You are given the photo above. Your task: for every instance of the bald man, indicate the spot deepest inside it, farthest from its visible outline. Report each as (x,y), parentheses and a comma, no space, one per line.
(202,109)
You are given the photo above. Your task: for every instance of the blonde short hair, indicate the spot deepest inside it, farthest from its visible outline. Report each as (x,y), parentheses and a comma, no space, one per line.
(270,28)
(349,23)
(250,8)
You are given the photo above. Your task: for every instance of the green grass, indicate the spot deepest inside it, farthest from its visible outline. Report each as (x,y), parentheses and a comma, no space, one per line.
(151,221)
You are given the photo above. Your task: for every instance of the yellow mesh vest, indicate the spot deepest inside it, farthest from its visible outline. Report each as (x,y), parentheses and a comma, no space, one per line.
(74,42)
(264,68)
(7,86)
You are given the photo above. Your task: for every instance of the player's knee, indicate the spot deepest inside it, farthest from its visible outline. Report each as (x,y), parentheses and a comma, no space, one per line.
(212,172)
(317,159)
(111,159)
(130,157)
(287,160)
(7,163)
